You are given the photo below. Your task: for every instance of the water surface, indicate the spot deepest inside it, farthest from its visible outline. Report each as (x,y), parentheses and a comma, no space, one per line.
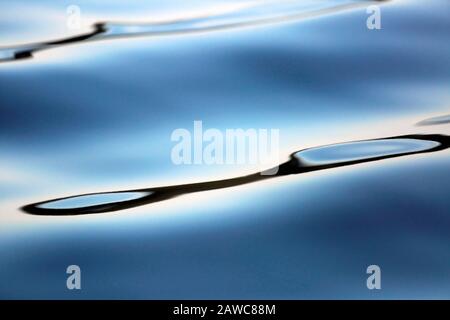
(86,117)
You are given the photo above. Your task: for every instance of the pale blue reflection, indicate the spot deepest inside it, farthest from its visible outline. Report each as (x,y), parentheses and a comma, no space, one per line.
(362,150)
(93,200)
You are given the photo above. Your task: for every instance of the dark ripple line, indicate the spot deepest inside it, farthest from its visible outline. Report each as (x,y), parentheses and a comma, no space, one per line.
(101,30)
(292,166)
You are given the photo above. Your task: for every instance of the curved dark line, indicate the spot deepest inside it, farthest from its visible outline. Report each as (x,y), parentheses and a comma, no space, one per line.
(292,166)
(101,29)
(26,51)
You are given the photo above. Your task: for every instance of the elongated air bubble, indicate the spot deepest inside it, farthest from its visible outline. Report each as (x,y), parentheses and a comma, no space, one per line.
(361,150)
(90,200)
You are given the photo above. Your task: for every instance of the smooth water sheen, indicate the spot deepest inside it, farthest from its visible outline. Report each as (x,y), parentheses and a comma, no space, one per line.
(86,176)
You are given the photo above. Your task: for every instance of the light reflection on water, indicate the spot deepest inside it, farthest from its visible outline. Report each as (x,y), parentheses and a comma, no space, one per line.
(98,116)
(362,150)
(94,199)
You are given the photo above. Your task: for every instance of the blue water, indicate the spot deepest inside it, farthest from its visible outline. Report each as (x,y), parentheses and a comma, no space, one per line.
(97,116)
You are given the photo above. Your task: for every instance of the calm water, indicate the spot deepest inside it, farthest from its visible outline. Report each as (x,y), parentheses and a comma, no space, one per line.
(88,112)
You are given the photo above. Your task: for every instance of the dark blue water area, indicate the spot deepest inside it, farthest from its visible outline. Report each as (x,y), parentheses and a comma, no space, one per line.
(307,237)
(97,117)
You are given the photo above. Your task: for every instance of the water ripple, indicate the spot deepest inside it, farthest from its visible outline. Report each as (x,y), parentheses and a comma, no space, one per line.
(262,14)
(307,160)
(435,120)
